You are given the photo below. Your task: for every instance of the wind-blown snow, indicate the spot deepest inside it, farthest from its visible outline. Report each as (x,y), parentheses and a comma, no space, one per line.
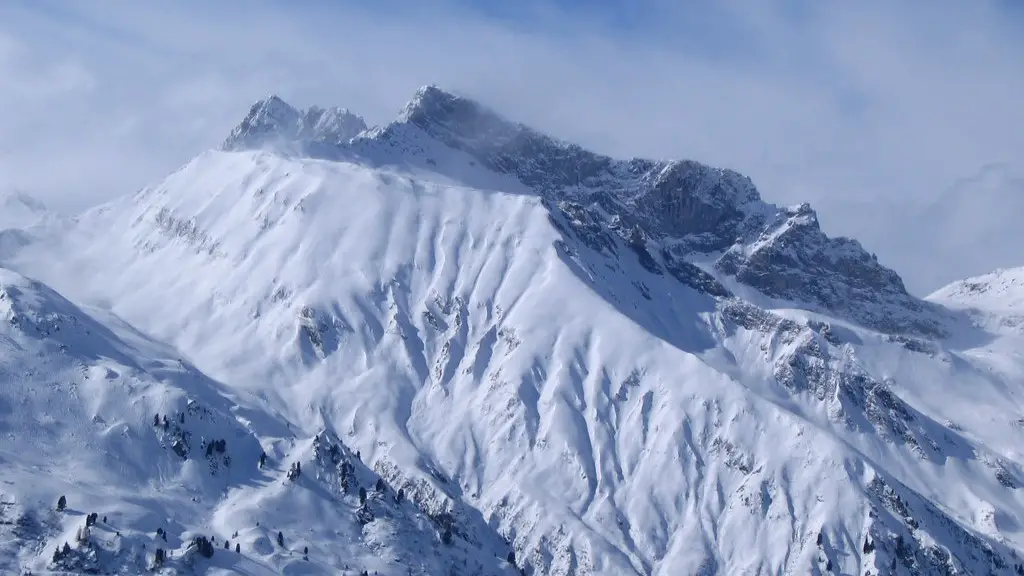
(536,380)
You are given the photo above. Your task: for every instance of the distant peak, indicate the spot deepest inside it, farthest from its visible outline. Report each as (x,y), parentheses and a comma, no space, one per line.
(272,121)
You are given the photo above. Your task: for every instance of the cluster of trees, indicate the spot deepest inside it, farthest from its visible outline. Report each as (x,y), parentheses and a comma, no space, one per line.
(294,471)
(158,423)
(61,552)
(161,421)
(219,446)
(203,545)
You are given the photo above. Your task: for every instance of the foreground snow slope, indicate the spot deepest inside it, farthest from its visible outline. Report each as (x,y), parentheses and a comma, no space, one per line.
(122,428)
(539,373)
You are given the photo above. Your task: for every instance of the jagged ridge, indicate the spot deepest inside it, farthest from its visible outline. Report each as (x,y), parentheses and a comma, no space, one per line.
(673,209)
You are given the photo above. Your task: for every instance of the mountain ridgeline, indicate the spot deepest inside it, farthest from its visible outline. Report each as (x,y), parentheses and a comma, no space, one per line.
(669,209)
(455,345)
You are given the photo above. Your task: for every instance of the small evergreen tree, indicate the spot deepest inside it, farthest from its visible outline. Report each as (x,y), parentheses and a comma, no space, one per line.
(181,418)
(66,549)
(819,538)
(362,495)
(380,485)
(158,559)
(280,539)
(227,545)
(399,496)
(305,550)
(238,548)
(511,557)
(104,519)
(62,503)
(156,419)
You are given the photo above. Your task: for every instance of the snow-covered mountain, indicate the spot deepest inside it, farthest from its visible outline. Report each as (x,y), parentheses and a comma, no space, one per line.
(566,363)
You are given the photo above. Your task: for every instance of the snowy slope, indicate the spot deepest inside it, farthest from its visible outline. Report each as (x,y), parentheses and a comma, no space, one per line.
(603,367)
(123,428)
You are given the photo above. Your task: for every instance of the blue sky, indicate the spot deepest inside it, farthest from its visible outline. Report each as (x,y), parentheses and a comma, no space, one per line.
(875,101)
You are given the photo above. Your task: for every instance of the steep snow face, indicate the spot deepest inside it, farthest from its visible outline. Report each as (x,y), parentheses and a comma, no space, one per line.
(536,384)
(568,364)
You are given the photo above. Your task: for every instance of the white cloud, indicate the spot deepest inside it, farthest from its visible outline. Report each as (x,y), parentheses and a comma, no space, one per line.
(829,102)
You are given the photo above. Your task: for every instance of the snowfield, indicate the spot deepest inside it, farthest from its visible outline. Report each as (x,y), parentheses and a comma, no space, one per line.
(484,362)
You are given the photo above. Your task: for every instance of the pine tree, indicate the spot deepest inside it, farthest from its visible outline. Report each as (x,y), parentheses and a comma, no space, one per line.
(305,550)
(62,503)
(238,548)
(819,538)
(380,485)
(66,550)
(511,557)
(227,545)
(104,519)
(362,495)
(181,418)
(399,496)
(156,419)
(280,539)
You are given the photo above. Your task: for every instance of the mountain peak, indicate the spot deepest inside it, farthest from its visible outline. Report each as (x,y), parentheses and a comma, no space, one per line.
(683,208)
(272,121)
(430,101)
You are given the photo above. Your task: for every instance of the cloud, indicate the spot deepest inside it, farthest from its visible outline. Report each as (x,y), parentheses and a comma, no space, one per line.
(875,101)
